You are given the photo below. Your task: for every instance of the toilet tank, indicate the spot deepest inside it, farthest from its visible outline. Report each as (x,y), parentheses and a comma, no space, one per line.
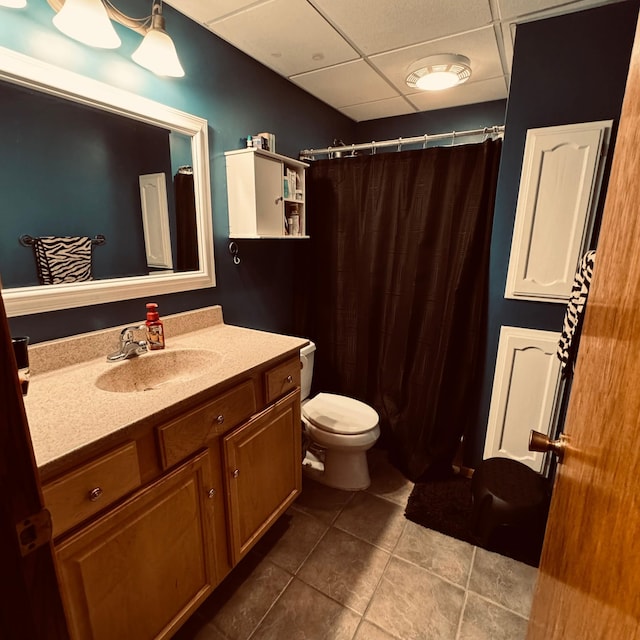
(306,374)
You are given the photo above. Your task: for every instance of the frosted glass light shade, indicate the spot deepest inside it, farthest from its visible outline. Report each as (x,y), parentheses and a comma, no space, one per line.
(87,21)
(439,72)
(13,4)
(158,54)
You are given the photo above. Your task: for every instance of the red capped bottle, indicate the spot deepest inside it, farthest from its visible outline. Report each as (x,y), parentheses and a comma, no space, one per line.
(155,328)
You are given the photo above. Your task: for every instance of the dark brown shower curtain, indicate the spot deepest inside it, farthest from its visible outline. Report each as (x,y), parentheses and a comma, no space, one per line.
(397,290)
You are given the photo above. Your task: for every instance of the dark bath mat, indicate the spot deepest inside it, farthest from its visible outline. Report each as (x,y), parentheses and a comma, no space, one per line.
(444,504)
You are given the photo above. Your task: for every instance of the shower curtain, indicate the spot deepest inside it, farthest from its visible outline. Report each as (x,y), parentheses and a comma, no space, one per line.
(396,284)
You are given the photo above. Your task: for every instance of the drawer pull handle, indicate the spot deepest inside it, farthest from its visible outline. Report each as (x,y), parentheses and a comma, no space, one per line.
(95,494)
(236,473)
(220,419)
(211,494)
(289,379)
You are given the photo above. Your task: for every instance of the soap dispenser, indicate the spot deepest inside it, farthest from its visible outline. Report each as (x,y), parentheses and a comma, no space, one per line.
(155,328)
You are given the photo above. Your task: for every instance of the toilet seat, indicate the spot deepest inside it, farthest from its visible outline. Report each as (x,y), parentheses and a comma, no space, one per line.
(340,415)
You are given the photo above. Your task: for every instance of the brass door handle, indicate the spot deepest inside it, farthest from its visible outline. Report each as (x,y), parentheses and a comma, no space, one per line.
(543,443)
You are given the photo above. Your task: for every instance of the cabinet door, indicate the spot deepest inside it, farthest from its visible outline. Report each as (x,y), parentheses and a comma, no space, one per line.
(269,200)
(526,391)
(263,469)
(139,571)
(559,190)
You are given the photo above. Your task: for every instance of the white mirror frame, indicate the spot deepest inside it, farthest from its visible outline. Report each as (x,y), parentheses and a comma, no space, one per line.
(35,74)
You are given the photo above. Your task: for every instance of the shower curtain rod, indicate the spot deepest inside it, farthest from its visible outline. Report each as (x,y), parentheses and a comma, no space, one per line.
(427,137)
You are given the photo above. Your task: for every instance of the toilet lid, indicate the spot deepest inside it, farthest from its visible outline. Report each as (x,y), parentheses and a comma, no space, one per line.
(339,414)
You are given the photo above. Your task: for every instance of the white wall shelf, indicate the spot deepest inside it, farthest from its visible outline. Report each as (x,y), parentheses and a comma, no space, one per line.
(264,189)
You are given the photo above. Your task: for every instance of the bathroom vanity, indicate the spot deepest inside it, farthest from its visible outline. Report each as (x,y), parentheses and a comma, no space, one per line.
(161,472)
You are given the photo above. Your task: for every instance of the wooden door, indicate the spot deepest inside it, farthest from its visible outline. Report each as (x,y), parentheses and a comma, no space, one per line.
(139,571)
(263,469)
(30,605)
(589,580)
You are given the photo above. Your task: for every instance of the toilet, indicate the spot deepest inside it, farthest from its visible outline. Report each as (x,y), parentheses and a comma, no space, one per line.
(340,431)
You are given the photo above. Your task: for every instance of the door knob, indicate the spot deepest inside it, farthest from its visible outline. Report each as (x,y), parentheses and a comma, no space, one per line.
(542,442)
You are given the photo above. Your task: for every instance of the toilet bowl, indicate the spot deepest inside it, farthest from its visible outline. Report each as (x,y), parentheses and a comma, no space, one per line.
(340,430)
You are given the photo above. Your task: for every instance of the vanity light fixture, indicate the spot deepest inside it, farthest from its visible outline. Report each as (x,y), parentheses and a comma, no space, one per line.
(436,73)
(13,4)
(89,22)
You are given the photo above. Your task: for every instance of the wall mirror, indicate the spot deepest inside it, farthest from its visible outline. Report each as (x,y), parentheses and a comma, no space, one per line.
(69,188)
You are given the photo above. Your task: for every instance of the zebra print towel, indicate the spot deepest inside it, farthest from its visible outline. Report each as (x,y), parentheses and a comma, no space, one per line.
(569,338)
(63,259)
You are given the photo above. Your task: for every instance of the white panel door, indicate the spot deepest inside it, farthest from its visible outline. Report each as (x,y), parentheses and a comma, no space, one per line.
(155,220)
(526,390)
(559,189)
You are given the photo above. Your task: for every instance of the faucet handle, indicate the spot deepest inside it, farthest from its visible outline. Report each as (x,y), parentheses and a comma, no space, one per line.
(126,335)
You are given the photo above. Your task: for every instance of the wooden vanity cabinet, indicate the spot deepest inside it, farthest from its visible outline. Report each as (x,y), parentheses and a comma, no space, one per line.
(263,467)
(168,532)
(140,570)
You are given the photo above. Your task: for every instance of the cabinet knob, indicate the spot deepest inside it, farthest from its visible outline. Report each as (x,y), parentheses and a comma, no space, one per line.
(289,379)
(236,473)
(211,494)
(95,494)
(220,419)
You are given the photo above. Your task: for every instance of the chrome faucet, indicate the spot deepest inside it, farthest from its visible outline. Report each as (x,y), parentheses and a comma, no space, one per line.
(129,347)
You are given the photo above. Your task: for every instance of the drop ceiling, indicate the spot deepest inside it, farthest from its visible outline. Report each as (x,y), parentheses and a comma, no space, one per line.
(355,54)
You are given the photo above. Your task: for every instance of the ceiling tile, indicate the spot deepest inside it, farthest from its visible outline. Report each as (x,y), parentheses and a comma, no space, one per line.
(355,54)
(378,109)
(204,11)
(288,36)
(479,46)
(468,93)
(346,84)
(510,9)
(381,25)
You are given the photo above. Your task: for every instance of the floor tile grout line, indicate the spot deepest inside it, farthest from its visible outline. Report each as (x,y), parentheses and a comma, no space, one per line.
(498,604)
(273,604)
(471,566)
(461,618)
(373,594)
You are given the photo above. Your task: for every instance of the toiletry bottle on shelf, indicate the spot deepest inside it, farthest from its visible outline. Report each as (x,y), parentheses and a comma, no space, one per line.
(155,328)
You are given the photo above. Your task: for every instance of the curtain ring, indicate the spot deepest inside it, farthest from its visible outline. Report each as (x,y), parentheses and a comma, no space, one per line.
(426,141)
(453,138)
(373,147)
(399,144)
(486,134)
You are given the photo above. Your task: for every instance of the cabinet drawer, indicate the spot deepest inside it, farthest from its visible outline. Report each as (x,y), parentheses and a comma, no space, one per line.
(92,487)
(282,379)
(192,431)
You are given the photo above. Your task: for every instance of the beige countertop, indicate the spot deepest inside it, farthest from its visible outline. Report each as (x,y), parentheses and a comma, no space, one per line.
(69,415)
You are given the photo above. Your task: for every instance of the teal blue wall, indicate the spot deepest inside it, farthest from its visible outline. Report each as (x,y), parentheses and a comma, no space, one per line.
(568,69)
(237,96)
(87,181)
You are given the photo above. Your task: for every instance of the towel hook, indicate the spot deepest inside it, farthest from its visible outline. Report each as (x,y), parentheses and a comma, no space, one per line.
(233,250)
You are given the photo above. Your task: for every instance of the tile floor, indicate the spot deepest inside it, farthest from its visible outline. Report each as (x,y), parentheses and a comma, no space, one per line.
(349,566)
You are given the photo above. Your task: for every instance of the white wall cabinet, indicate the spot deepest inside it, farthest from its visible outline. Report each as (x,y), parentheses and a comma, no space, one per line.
(263,190)
(525,396)
(559,190)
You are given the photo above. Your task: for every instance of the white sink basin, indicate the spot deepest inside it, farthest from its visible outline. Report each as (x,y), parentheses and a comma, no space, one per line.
(155,369)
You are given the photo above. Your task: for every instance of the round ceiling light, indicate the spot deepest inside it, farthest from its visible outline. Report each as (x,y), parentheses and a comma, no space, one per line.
(439,72)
